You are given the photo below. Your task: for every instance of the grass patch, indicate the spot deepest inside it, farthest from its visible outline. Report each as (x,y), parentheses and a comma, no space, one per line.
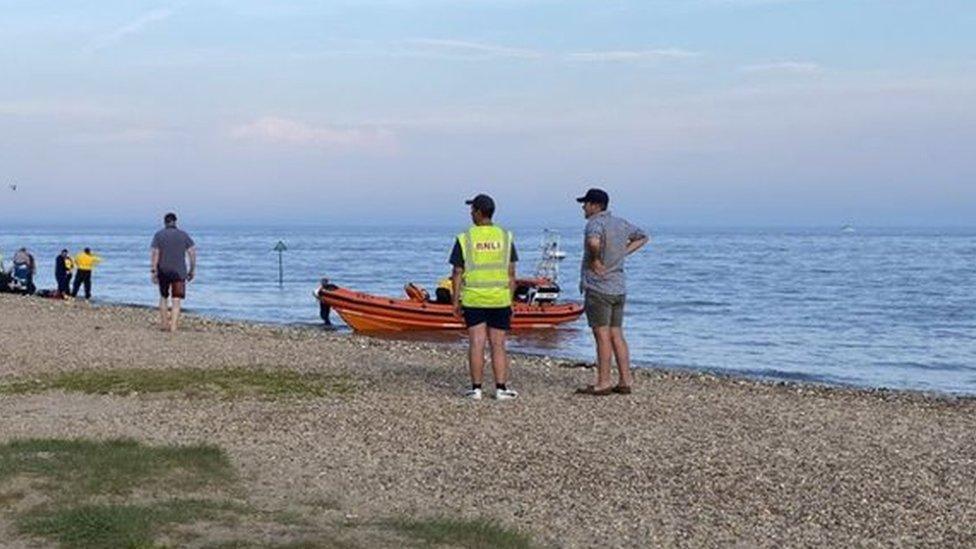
(121,493)
(325,504)
(291,518)
(10,498)
(222,382)
(85,484)
(114,525)
(75,469)
(302,544)
(469,533)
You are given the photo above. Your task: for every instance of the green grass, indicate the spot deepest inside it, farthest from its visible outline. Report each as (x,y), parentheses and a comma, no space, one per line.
(221,382)
(326,543)
(469,533)
(77,469)
(86,482)
(116,525)
(121,493)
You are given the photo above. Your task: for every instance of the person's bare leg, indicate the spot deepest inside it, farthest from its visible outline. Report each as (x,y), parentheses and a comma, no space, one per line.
(603,356)
(163,314)
(622,353)
(499,356)
(174,315)
(476,352)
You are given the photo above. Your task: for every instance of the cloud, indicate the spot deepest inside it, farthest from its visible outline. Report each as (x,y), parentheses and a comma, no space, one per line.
(794,67)
(427,48)
(465,49)
(632,55)
(135,26)
(452,49)
(283,131)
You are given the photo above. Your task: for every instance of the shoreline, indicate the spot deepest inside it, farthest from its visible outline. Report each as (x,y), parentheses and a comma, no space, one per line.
(689,459)
(419,338)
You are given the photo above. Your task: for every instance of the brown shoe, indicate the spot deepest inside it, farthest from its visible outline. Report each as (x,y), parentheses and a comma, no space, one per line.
(623,389)
(591,390)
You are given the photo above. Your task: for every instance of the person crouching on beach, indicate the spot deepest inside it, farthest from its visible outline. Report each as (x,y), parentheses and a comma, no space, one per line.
(607,243)
(484,260)
(25,268)
(84,263)
(170,249)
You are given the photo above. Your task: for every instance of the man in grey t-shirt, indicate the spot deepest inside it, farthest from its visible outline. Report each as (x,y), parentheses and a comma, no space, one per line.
(170,249)
(608,242)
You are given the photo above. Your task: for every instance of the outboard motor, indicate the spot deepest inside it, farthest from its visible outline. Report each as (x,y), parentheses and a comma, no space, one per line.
(23,278)
(6,283)
(21,273)
(18,281)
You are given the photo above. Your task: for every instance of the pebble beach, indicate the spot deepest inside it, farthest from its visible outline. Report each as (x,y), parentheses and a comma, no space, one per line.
(687,460)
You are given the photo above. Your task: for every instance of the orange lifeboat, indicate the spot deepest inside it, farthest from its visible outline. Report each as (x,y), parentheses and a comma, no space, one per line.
(370,313)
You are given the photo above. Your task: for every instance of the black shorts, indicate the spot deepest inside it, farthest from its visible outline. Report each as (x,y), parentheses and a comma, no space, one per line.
(171,283)
(498,318)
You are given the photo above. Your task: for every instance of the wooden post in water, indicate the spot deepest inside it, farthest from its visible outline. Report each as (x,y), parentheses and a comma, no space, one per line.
(280,247)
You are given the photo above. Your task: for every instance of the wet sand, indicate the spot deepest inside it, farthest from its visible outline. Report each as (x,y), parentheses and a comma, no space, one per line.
(687,460)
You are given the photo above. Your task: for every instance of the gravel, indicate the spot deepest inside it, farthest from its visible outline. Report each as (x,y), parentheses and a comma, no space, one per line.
(687,460)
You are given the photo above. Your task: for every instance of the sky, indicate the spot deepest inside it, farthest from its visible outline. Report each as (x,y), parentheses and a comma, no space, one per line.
(688,112)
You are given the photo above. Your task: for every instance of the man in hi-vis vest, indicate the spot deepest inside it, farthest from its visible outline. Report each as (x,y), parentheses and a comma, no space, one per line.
(484,280)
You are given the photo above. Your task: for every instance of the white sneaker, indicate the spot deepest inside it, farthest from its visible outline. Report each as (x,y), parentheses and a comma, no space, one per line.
(505,394)
(473,394)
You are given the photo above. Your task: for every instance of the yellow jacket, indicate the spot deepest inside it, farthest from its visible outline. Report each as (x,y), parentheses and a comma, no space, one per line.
(86,262)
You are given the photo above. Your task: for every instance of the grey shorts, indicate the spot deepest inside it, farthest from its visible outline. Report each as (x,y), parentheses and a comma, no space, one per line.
(604,310)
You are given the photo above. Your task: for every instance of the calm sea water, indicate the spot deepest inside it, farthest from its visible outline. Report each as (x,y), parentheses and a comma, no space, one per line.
(879,308)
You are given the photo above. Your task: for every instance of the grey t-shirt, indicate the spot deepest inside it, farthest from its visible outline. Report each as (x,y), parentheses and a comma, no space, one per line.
(172,244)
(614,234)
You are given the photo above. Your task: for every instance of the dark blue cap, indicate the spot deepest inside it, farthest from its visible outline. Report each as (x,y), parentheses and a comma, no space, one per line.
(483,203)
(595,196)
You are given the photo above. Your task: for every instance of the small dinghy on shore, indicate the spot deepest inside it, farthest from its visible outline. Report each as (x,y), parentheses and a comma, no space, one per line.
(535,305)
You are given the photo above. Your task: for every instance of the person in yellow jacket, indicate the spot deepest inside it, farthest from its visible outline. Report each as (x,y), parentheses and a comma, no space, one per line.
(483,280)
(445,288)
(84,263)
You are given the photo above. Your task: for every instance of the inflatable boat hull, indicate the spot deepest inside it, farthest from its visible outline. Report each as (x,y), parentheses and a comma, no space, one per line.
(369,313)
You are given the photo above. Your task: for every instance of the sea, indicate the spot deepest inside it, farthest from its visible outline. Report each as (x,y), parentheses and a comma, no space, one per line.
(878,308)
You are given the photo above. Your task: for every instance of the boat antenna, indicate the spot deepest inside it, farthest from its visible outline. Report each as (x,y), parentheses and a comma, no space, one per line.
(548,266)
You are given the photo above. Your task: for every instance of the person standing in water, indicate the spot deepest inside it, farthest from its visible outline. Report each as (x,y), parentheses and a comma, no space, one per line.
(484,279)
(85,263)
(607,243)
(63,268)
(324,308)
(170,249)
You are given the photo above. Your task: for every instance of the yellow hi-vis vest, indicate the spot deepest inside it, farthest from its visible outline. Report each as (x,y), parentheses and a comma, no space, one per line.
(86,262)
(487,252)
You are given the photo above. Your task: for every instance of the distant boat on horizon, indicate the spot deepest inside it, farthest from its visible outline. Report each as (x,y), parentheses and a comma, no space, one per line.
(848,229)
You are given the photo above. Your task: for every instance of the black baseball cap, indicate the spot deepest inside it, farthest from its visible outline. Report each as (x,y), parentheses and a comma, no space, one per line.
(596,196)
(483,203)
